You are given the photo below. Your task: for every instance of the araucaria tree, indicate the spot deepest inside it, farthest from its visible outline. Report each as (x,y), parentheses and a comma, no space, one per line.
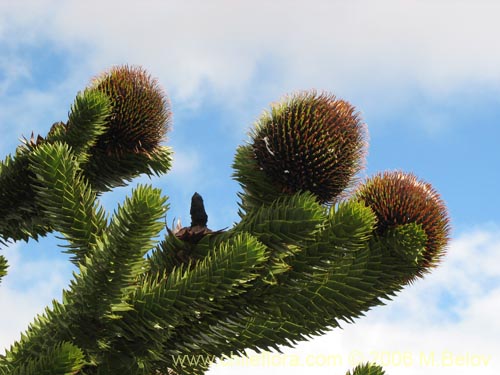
(314,246)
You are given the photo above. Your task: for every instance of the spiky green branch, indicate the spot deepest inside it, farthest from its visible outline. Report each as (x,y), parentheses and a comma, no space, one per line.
(307,255)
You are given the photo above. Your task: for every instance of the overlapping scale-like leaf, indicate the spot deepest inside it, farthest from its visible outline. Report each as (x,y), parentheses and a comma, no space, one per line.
(86,122)
(65,198)
(61,359)
(161,305)
(3,267)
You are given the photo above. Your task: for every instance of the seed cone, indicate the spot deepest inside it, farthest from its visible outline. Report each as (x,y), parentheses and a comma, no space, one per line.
(140,115)
(399,198)
(311,142)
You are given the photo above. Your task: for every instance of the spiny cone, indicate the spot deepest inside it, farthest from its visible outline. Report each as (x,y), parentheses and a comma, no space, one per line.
(399,198)
(311,142)
(140,115)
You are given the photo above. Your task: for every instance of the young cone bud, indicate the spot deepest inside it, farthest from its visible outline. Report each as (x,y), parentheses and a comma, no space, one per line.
(310,142)
(399,198)
(140,115)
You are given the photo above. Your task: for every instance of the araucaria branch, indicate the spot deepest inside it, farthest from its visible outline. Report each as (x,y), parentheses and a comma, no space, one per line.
(315,246)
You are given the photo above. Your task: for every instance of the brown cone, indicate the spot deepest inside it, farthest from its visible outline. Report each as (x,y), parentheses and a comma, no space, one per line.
(400,198)
(140,115)
(311,142)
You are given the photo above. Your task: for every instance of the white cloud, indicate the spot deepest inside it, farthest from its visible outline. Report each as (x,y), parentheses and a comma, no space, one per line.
(187,172)
(460,333)
(29,286)
(378,52)
(185,163)
(243,55)
(357,48)
(12,68)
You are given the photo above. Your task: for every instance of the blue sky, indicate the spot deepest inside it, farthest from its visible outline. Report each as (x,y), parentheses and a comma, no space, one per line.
(425,76)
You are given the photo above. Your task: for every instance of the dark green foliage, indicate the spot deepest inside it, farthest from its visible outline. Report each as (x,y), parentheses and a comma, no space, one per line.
(20,217)
(294,266)
(87,122)
(257,187)
(66,198)
(367,369)
(3,266)
(62,359)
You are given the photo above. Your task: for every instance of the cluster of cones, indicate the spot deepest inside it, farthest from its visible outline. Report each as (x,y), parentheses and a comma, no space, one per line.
(307,142)
(316,142)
